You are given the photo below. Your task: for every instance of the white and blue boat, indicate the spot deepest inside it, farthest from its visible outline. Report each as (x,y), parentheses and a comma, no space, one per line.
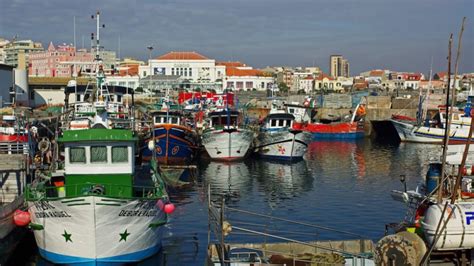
(279,140)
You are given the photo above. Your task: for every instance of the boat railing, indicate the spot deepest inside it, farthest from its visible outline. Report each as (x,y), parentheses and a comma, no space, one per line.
(84,108)
(14,148)
(41,191)
(356,249)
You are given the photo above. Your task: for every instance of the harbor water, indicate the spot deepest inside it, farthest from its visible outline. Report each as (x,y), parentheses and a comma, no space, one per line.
(343,185)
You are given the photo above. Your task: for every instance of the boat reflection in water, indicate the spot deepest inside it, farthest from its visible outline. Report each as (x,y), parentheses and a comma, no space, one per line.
(231,179)
(344,156)
(281,180)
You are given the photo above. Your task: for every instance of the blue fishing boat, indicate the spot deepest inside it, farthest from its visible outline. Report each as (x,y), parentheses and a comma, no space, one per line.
(175,141)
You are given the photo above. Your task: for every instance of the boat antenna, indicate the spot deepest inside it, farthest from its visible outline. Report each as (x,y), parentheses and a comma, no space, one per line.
(428,91)
(74,66)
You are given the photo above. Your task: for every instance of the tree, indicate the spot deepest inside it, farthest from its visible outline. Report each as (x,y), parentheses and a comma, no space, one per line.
(283,87)
(139,90)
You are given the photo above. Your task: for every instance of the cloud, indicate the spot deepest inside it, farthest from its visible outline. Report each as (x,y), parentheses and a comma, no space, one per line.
(401,35)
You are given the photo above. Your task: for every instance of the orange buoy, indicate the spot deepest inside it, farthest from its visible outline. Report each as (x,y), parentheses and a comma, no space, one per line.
(21,218)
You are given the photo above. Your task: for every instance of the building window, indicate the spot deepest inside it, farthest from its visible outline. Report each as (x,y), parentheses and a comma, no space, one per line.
(144,73)
(181,71)
(186,72)
(190,72)
(262,85)
(77,155)
(119,98)
(172,71)
(119,154)
(98,154)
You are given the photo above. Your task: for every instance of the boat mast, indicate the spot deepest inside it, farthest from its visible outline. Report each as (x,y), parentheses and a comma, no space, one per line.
(471,128)
(448,126)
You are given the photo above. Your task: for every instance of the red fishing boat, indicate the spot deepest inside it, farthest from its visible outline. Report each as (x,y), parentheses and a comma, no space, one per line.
(339,129)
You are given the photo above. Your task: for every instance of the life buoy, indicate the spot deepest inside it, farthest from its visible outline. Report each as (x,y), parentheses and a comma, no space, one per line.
(98,190)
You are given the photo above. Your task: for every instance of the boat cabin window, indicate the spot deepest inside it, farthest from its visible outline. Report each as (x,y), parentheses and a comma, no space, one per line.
(288,123)
(98,154)
(273,123)
(280,123)
(291,110)
(171,120)
(174,120)
(119,154)
(222,120)
(77,155)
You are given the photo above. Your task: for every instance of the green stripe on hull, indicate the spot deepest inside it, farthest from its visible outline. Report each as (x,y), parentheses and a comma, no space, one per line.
(97,134)
(112,185)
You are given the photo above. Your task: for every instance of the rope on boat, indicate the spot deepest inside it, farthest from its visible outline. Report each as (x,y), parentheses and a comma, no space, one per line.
(297,222)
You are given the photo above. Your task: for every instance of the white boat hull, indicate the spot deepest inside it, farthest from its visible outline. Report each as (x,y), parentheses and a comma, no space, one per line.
(227,145)
(285,145)
(422,134)
(95,230)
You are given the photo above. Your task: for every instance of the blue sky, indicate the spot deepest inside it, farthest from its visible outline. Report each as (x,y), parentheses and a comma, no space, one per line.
(400,35)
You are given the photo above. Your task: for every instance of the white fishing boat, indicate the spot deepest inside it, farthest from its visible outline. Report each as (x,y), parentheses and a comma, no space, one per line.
(279,140)
(432,131)
(224,139)
(98,209)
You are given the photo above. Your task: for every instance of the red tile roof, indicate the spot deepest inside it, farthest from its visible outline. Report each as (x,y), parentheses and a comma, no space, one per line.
(231,64)
(323,75)
(233,71)
(182,56)
(377,73)
(442,75)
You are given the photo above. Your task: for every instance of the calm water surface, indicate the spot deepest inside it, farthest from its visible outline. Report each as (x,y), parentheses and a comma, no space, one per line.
(341,184)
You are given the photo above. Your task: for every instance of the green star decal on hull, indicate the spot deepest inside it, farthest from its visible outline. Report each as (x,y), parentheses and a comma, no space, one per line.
(124,235)
(67,236)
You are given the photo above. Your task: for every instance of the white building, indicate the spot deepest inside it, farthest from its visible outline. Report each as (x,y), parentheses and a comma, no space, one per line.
(190,65)
(242,77)
(306,84)
(197,71)
(3,55)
